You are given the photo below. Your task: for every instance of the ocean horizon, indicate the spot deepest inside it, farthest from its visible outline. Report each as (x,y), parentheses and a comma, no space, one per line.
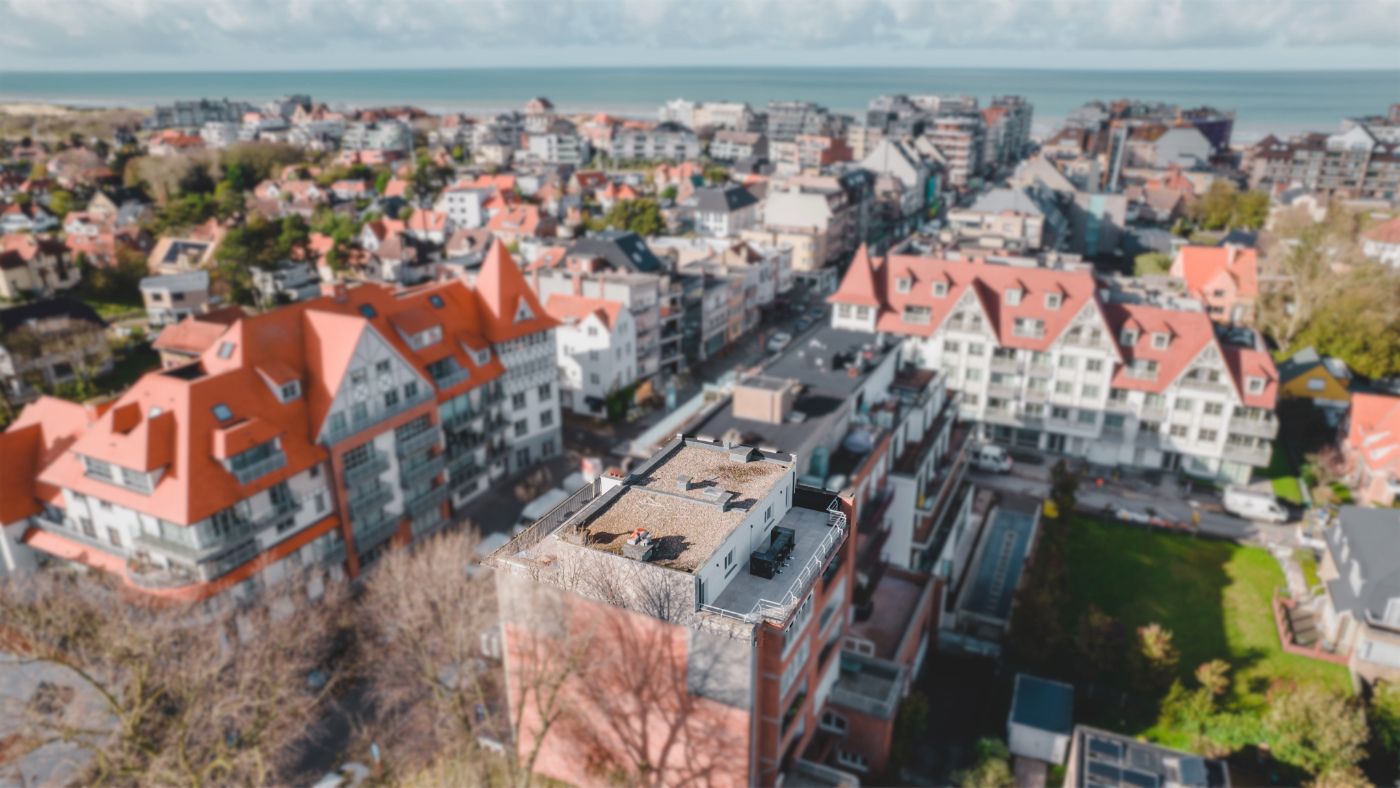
(1263,101)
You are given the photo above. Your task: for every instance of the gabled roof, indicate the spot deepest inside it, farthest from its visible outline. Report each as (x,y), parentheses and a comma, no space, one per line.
(1375,429)
(1385,233)
(572,308)
(1201,266)
(503,290)
(859,287)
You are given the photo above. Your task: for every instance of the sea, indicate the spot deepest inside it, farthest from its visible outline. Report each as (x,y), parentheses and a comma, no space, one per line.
(1264,102)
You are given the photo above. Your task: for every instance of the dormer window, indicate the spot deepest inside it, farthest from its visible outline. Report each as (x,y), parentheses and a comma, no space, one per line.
(1160,340)
(426,337)
(903,284)
(940,289)
(1128,338)
(1013,296)
(1254,385)
(1052,300)
(481,357)
(918,315)
(289,391)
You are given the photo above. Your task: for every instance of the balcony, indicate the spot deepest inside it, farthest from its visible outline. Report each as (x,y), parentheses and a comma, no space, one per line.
(1157,413)
(353,426)
(1255,456)
(275,462)
(452,378)
(371,469)
(372,533)
(434,496)
(423,467)
(368,496)
(418,442)
(145,574)
(868,685)
(1255,428)
(460,421)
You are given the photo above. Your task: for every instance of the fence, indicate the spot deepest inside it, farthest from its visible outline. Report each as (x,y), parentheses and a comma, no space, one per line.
(1282,605)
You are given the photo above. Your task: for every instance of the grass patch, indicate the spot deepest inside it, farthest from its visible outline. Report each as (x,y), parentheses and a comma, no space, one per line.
(1307,561)
(1342,493)
(1284,478)
(1214,596)
(1149,263)
(116,310)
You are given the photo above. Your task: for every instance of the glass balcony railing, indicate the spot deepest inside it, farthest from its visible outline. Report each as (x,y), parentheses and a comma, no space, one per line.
(365,471)
(261,468)
(423,467)
(419,441)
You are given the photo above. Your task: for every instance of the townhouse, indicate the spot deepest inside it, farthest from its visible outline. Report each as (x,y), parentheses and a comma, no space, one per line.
(31,265)
(1372,447)
(173,297)
(731,146)
(313,436)
(1361,162)
(808,153)
(1360,615)
(597,351)
(723,211)
(666,141)
(45,344)
(1224,278)
(1045,358)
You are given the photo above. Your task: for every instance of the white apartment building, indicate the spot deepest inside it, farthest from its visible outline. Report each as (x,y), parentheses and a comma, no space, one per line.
(1042,360)
(656,337)
(597,352)
(463,206)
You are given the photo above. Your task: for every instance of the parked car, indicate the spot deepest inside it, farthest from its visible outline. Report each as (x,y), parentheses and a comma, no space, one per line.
(779,342)
(1254,505)
(991,458)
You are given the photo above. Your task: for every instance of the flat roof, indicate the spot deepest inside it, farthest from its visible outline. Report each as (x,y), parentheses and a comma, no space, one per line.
(896,595)
(1113,760)
(1043,704)
(691,497)
(1002,556)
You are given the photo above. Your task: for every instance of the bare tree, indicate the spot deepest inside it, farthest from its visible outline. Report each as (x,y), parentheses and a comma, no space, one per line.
(422,620)
(184,696)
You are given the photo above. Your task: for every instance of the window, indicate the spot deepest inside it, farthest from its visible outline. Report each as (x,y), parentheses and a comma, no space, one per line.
(521,427)
(903,284)
(410,390)
(226,349)
(222,412)
(940,289)
(1059,413)
(115,537)
(391,398)
(547,418)
(517,400)
(1213,409)
(1013,296)
(1052,300)
(381,367)
(834,722)
(1064,387)
(972,374)
(852,760)
(918,315)
(368,311)
(1184,404)
(729,558)
(1160,340)
(950,346)
(546,391)
(976,348)
(1028,327)
(1149,426)
(768,514)
(1088,417)
(1089,390)
(436,301)
(1254,385)
(1208,436)
(1316,384)
(1093,365)
(843,310)
(1178,431)
(290,391)
(1128,338)
(1068,362)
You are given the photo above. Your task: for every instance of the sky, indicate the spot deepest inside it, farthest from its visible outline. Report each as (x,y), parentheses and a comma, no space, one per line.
(236,35)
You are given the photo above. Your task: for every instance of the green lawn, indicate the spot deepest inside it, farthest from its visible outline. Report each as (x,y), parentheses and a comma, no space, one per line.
(130,365)
(1213,595)
(1307,562)
(1284,478)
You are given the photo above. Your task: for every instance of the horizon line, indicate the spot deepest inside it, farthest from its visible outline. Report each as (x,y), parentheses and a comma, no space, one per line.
(697,67)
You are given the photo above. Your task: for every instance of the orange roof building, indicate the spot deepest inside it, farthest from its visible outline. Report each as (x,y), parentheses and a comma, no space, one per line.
(596,351)
(1224,278)
(1043,359)
(319,434)
(1372,448)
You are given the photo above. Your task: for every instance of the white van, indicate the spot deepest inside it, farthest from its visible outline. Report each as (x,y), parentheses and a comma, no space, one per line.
(1254,505)
(991,458)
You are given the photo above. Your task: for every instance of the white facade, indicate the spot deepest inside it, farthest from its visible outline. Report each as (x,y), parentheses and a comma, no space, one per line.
(463,207)
(596,359)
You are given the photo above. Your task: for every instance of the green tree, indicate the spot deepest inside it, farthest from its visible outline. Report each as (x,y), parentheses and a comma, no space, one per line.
(1214,676)
(669,193)
(1250,211)
(1215,208)
(1384,715)
(1317,729)
(642,217)
(992,768)
(239,175)
(1156,657)
(1359,322)
(1149,263)
(715,173)
(196,180)
(1064,483)
(381,182)
(228,199)
(61,203)
(909,727)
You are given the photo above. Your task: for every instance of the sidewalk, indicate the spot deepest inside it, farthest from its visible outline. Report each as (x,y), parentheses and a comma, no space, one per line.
(1167,499)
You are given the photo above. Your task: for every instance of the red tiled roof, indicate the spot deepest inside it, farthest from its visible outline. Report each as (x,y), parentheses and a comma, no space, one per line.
(1200,267)
(570,308)
(1385,232)
(1375,429)
(502,288)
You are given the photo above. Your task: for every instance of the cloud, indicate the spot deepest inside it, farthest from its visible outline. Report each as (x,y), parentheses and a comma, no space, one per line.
(59,29)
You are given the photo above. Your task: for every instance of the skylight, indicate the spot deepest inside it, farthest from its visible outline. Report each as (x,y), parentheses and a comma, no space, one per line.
(436,301)
(222,412)
(368,311)
(226,349)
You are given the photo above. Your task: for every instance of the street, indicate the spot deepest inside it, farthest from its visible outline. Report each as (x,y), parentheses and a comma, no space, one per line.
(1167,499)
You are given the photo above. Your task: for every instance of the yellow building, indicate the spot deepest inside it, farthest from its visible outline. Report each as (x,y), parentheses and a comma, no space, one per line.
(1323,379)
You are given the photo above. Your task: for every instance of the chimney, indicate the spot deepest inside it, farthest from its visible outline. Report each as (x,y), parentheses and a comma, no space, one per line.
(578,284)
(1230,253)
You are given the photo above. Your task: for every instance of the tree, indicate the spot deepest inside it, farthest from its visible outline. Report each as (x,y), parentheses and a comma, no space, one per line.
(1064,483)
(1214,676)
(716,174)
(228,199)
(196,180)
(1156,656)
(61,203)
(642,217)
(1250,211)
(381,182)
(910,726)
(170,695)
(1384,715)
(1359,322)
(421,621)
(1317,729)
(992,769)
